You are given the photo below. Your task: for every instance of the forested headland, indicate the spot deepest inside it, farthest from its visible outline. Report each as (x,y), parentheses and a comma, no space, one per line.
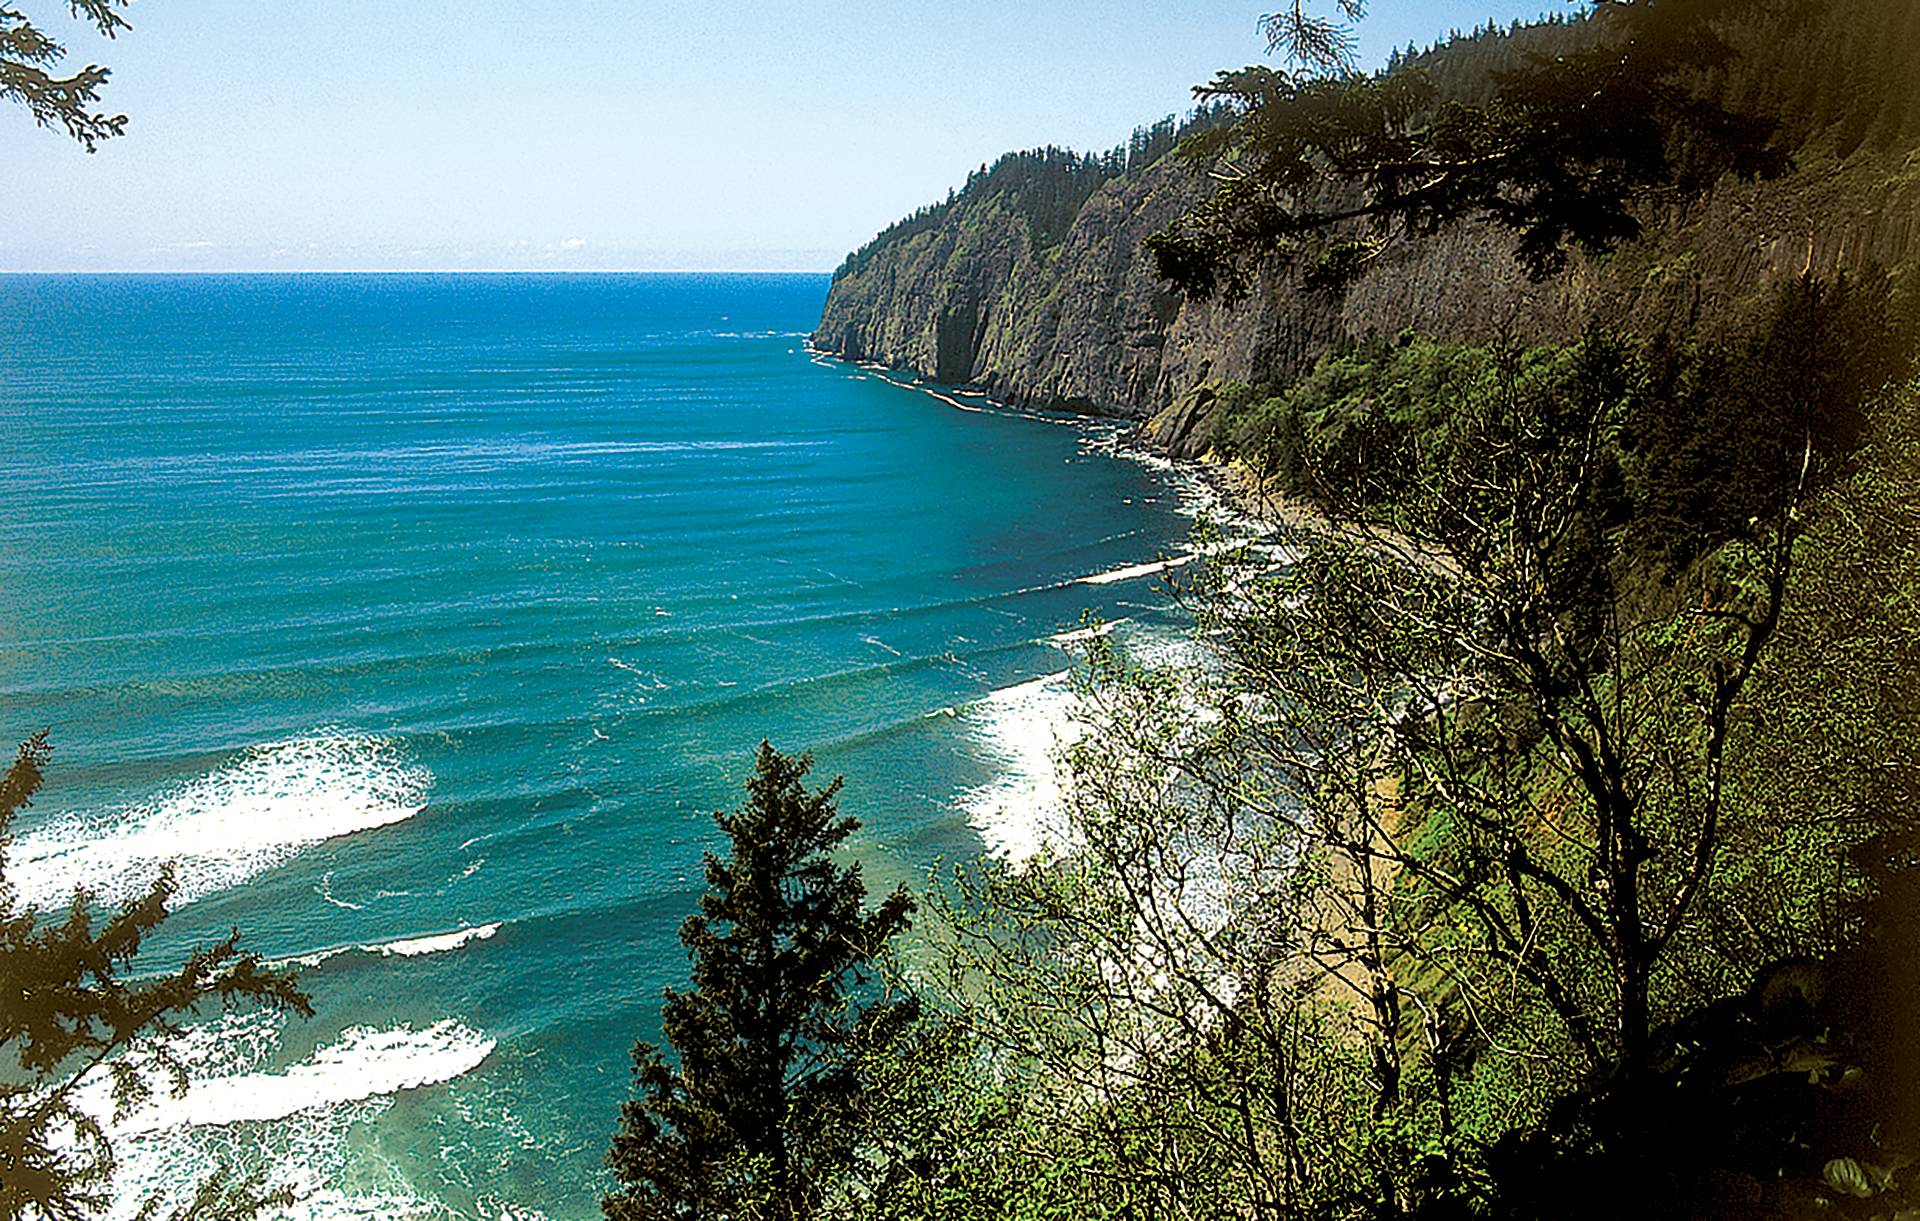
(1074,314)
(1535,834)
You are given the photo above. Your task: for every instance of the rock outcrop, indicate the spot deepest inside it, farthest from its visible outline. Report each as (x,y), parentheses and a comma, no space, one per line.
(979,295)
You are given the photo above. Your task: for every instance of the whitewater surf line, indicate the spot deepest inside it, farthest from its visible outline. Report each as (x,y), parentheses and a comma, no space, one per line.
(226,827)
(1135,571)
(411,947)
(1022,728)
(365,1063)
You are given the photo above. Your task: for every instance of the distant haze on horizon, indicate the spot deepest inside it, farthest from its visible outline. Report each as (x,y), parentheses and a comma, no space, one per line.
(360,135)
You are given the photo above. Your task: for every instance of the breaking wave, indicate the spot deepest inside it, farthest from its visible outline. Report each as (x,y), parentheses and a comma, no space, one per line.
(410,947)
(1135,571)
(366,1062)
(1021,730)
(293,1123)
(225,827)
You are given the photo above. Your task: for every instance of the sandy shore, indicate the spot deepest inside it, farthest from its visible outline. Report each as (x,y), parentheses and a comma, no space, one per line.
(1246,492)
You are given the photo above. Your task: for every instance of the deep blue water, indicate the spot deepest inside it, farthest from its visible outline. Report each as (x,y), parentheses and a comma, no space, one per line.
(395,606)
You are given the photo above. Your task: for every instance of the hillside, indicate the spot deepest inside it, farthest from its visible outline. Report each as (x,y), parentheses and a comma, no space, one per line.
(1031,282)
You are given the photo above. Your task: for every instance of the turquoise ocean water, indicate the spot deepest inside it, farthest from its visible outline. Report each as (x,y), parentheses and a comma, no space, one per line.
(423,619)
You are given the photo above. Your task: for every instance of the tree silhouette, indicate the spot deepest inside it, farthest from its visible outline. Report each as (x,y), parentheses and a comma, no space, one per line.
(29,60)
(73,1014)
(760,1107)
(1563,150)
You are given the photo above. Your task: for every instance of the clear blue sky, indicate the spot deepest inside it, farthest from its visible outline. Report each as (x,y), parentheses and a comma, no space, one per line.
(592,134)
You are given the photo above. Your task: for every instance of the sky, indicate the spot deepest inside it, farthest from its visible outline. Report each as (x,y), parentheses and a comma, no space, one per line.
(590,134)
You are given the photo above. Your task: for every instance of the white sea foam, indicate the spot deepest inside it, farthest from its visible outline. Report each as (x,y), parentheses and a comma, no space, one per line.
(416,946)
(225,827)
(292,1123)
(306,1154)
(1196,495)
(228,1085)
(881,372)
(1133,571)
(411,947)
(330,1205)
(366,1062)
(653,680)
(1084,635)
(1021,730)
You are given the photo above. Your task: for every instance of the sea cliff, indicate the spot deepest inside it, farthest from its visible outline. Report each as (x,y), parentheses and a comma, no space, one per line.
(1047,299)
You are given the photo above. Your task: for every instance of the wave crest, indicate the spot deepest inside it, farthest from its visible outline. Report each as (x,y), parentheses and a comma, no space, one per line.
(367,1062)
(293,1124)
(225,827)
(410,947)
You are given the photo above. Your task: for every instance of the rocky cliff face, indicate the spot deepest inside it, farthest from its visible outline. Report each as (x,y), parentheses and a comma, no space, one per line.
(1083,323)
(1087,325)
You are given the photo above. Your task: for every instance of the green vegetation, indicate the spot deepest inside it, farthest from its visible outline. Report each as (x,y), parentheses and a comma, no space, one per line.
(1537,841)
(1537,838)
(1045,186)
(1568,136)
(29,66)
(1697,430)
(85,1038)
(763,1109)
(84,1035)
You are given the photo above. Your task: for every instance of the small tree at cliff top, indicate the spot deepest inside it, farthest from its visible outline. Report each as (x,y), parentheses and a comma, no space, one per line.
(761,1111)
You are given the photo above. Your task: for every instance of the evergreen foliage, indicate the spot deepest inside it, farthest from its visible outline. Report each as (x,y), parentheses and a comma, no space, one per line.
(1703,431)
(1537,838)
(1504,861)
(29,66)
(1314,41)
(1564,150)
(1047,186)
(763,1106)
(77,1022)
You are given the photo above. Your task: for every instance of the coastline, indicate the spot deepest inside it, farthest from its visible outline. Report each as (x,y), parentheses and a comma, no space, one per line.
(1239,493)
(1227,483)
(1230,482)
(505,590)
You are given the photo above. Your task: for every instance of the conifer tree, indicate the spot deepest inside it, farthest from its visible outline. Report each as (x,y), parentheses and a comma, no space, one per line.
(29,64)
(1324,168)
(760,1107)
(73,1014)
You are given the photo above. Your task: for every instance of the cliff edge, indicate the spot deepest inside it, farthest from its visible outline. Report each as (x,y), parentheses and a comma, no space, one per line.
(1031,283)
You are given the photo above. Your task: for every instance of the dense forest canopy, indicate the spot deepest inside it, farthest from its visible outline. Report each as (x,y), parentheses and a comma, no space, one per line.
(1047,186)
(1566,143)
(1755,86)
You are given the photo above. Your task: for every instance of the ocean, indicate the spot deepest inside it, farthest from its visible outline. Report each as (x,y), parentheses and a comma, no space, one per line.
(423,621)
